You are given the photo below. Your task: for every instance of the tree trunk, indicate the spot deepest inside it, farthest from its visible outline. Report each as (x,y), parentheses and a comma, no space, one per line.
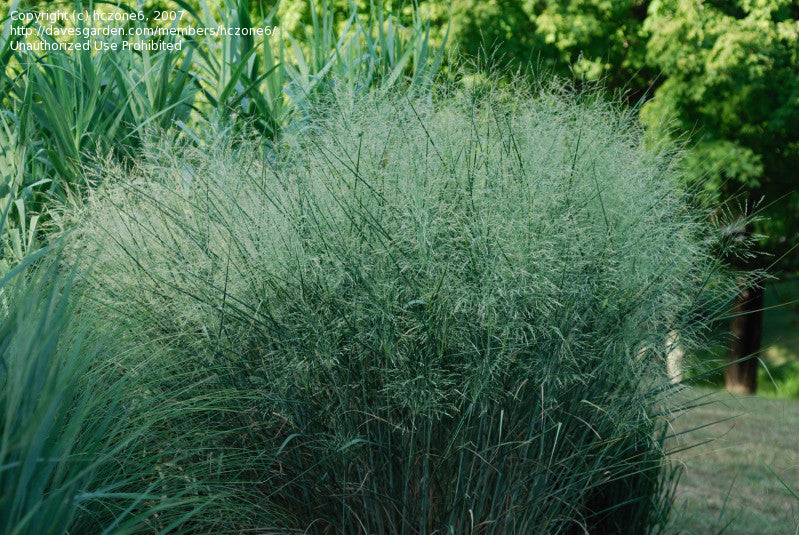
(747,334)
(675,357)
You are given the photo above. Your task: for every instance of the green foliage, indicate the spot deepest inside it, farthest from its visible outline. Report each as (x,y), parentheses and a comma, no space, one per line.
(730,76)
(503,27)
(61,107)
(597,39)
(60,110)
(434,316)
(587,40)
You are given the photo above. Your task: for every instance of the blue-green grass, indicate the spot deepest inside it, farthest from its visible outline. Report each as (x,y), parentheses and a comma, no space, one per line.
(418,315)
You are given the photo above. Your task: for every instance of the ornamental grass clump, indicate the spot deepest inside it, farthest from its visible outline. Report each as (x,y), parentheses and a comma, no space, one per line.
(437,316)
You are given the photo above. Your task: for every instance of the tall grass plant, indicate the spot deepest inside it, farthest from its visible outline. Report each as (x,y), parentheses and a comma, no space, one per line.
(424,316)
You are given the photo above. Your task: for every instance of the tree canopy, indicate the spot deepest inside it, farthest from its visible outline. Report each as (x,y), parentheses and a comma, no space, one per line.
(731,77)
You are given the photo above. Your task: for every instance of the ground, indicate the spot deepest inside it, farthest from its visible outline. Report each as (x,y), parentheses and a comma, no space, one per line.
(730,484)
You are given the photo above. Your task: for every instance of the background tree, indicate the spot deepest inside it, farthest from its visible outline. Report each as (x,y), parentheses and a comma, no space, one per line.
(731,76)
(595,39)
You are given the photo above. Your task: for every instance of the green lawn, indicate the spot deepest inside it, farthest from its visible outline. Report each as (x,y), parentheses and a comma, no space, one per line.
(727,485)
